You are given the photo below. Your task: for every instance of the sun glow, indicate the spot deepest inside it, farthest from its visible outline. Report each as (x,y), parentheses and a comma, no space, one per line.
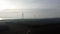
(1,18)
(6,5)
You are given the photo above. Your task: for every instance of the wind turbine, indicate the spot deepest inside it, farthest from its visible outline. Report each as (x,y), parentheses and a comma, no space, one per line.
(22,15)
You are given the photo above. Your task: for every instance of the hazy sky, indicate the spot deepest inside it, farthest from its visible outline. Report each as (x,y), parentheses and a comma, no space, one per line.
(30,8)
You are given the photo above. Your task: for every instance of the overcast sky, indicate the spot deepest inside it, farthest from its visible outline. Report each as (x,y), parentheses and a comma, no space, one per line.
(30,8)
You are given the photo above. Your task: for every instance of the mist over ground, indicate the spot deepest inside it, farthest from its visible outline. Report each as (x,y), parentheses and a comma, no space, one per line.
(29,9)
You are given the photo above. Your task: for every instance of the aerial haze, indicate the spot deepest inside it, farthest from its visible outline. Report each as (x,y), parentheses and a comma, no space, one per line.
(31,9)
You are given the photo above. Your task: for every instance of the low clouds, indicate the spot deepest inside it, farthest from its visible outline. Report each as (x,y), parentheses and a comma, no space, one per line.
(33,4)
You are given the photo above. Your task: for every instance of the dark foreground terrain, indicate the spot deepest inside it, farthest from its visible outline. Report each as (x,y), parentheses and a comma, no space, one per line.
(30,26)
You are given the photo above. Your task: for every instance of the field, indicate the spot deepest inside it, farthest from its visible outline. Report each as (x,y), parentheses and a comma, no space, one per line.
(21,26)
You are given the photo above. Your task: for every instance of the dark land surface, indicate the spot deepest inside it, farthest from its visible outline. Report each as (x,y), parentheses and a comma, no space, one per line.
(30,26)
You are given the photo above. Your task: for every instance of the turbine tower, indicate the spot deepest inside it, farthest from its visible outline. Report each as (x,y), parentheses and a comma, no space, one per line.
(22,15)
